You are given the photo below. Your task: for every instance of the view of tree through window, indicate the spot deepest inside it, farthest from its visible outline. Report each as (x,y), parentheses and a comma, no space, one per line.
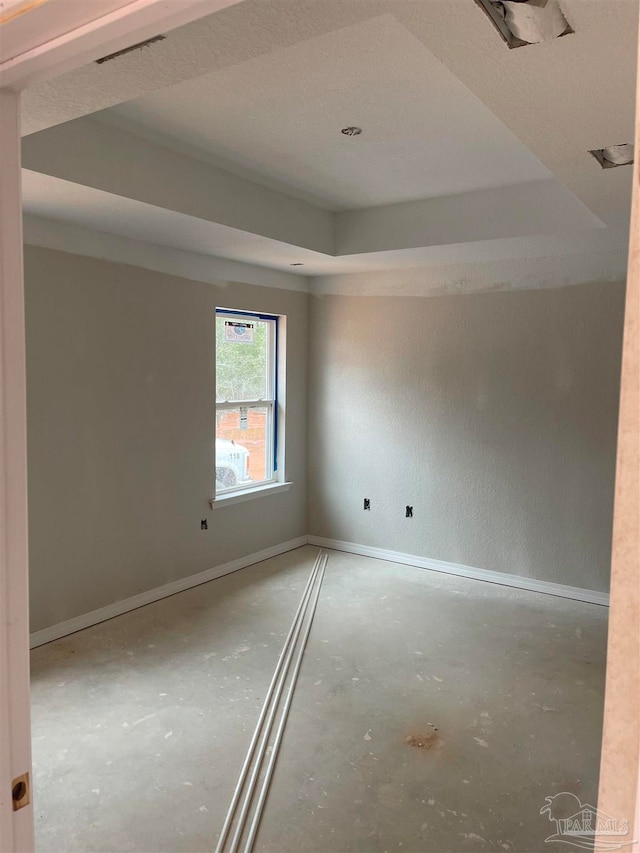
(241,368)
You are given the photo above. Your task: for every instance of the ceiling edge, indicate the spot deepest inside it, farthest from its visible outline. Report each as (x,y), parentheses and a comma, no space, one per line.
(66,237)
(511,274)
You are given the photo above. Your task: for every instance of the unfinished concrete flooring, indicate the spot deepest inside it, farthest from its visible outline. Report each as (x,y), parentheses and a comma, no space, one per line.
(432,713)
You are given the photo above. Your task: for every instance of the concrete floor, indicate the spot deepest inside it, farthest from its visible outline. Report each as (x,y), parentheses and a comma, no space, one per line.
(141,724)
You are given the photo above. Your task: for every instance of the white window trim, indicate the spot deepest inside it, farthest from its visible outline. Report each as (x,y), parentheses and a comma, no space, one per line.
(278,483)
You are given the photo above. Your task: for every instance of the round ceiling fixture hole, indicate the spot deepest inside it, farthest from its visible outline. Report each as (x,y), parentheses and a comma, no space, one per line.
(351,131)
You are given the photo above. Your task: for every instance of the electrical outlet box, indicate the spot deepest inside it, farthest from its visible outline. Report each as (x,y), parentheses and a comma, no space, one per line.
(367,504)
(408,512)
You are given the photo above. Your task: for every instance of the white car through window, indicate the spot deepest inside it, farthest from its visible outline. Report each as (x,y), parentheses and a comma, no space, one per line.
(232,464)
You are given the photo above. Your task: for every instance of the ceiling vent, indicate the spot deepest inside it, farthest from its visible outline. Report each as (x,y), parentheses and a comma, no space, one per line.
(614,155)
(523,22)
(130,49)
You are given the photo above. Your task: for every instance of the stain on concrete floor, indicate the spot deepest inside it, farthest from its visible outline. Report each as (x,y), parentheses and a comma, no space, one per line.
(426,739)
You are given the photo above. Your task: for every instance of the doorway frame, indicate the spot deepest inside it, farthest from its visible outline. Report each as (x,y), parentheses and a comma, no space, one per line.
(47,54)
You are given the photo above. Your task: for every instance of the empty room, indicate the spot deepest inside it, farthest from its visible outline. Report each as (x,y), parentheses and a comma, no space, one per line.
(324,312)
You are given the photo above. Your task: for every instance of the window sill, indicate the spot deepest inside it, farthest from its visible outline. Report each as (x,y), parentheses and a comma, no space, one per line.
(248,494)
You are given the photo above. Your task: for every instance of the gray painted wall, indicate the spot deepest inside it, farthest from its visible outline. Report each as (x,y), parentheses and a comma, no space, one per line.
(120,383)
(493,414)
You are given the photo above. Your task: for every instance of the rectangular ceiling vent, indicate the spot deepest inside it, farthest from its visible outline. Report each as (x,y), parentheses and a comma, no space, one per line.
(614,155)
(130,49)
(524,22)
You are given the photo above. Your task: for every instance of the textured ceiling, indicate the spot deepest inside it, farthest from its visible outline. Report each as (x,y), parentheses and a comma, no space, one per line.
(469,150)
(279,116)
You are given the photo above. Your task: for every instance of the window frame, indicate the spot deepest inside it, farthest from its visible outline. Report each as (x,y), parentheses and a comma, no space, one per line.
(244,490)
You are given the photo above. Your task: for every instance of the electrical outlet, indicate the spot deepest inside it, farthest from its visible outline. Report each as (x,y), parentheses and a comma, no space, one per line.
(408,512)
(367,504)
(203,524)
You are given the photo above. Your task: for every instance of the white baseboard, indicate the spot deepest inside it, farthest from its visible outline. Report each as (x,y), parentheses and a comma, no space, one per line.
(574,592)
(62,629)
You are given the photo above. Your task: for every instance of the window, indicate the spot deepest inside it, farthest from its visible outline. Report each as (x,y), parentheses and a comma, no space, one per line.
(246,446)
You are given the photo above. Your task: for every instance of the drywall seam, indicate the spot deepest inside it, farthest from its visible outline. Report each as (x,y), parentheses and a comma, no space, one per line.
(63,629)
(547,587)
